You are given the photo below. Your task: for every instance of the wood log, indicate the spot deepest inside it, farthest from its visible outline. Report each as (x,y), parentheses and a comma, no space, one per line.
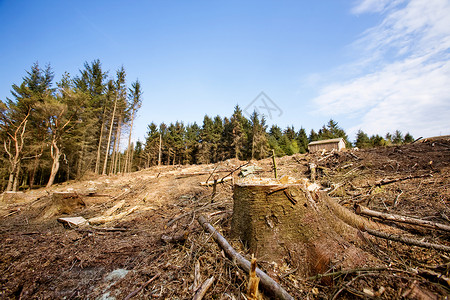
(267,283)
(408,241)
(361,210)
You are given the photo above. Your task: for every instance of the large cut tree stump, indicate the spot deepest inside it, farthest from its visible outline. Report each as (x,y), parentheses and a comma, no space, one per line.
(277,221)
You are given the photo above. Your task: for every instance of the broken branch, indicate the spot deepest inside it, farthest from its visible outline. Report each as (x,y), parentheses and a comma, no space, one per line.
(134,293)
(266,282)
(202,290)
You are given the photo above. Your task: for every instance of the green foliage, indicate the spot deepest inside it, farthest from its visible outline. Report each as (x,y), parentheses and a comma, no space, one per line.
(362,140)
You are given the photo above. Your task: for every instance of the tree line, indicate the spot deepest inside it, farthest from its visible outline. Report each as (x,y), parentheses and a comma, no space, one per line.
(53,133)
(218,139)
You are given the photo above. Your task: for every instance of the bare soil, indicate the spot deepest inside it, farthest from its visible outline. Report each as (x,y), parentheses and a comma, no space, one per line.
(42,259)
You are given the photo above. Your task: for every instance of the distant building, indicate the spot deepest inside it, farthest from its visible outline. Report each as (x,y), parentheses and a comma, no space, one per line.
(327,145)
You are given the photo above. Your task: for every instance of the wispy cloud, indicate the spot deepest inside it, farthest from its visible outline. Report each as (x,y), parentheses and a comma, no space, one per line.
(404,71)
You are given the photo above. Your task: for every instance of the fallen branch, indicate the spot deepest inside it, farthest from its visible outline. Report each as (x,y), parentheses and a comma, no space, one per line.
(211,182)
(202,290)
(384,181)
(106,219)
(361,210)
(266,282)
(238,168)
(406,240)
(134,293)
(346,272)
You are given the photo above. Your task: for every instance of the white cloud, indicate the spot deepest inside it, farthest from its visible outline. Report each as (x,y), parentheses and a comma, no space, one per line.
(404,78)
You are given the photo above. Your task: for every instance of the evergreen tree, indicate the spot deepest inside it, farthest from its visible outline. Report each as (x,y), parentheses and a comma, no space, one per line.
(302,141)
(397,138)
(377,141)
(239,134)
(313,136)
(135,102)
(408,138)
(258,137)
(362,140)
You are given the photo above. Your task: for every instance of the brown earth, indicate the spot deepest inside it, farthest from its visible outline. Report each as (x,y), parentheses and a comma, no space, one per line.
(137,215)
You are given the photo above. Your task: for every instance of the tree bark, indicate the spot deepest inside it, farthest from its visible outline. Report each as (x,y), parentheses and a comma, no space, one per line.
(56,154)
(105,163)
(99,148)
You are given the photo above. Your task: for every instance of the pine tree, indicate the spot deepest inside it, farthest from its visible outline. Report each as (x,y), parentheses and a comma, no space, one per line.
(302,141)
(239,134)
(135,99)
(258,137)
(408,138)
(362,140)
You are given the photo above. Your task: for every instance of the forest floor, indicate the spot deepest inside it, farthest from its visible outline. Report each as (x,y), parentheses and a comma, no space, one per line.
(145,227)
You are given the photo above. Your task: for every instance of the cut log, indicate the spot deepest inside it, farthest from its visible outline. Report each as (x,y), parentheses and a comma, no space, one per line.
(267,283)
(361,210)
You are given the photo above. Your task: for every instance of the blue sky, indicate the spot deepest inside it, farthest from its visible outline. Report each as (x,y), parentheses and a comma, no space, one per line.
(374,65)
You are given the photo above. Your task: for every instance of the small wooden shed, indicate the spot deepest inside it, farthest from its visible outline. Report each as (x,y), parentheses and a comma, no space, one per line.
(327,145)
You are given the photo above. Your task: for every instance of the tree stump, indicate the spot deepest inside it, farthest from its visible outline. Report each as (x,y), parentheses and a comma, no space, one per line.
(278,221)
(63,203)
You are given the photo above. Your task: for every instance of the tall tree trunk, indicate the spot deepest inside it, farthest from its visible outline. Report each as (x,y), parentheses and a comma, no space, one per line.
(117,146)
(105,164)
(99,148)
(159,153)
(16,177)
(56,154)
(127,166)
(81,155)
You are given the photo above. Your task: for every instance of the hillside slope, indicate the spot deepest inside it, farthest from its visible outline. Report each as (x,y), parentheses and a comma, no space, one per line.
(145,226)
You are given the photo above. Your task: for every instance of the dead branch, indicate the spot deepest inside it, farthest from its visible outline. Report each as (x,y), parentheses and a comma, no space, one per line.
(211,182)
(238,168)
(346,272)
(408,241)
(361,210)
(326,157)
(134,293)
(253,282)
(197,276)
(203,289)
(217,165)
(384,181)
(434,275)
(266,282)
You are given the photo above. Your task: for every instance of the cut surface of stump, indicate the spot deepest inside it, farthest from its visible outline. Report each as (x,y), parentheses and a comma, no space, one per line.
(63,203)
(278,221)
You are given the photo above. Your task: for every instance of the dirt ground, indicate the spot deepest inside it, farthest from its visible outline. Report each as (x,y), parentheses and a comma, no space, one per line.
(146,231)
